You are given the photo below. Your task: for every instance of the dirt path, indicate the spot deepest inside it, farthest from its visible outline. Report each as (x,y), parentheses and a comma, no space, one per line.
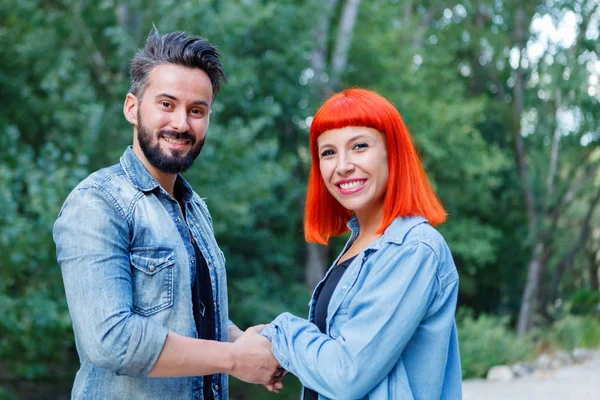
(576,382)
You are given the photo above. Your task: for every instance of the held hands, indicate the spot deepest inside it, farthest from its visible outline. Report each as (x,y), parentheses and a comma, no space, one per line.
(254,361)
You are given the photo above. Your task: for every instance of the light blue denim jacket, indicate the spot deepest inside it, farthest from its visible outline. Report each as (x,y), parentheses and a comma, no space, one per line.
(128,263)
(391,333)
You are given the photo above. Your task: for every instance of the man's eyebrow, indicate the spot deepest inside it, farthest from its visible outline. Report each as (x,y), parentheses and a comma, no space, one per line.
(201,103)
(170,96)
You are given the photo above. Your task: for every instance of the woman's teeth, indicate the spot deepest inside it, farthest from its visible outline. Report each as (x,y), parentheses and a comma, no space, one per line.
(352,185)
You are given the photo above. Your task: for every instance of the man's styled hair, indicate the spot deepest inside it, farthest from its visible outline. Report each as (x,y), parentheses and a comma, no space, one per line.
(408,191)
(177,48)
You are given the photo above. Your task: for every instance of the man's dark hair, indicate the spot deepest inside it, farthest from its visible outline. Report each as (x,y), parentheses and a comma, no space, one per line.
(177,48)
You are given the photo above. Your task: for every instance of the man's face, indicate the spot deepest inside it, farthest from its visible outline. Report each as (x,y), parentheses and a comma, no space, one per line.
(172,117)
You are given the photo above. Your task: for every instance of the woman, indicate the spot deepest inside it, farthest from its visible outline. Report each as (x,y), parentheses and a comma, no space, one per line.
(381,323)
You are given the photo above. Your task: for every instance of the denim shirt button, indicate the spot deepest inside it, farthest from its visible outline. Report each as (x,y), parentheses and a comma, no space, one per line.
(177,219)
(151,268)
(344,287)
(216,387)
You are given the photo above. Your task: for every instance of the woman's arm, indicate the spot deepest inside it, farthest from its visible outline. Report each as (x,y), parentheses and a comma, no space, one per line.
(400,287)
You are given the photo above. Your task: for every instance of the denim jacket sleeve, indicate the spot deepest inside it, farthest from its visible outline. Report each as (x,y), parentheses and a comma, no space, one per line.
(398,291)
(92,235)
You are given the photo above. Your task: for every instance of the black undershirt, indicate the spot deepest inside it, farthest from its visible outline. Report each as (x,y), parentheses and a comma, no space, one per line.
(322,302)
(204,310)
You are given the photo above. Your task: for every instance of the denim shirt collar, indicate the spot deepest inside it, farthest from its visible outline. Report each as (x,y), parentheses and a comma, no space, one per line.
(142,180)
(394,233)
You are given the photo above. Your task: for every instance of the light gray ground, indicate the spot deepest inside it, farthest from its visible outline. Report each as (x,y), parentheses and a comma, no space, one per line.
(576,382)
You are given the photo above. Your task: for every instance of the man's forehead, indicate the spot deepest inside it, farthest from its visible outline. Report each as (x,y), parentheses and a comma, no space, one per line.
(177,81)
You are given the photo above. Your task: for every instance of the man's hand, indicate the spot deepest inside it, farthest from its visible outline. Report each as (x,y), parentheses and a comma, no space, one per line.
(254,361)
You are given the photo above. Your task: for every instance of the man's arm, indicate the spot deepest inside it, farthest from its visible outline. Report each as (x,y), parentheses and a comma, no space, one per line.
(249,359)
(92,240)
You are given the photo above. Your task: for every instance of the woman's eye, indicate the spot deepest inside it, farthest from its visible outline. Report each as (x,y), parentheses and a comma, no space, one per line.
(326,153)
(360,146)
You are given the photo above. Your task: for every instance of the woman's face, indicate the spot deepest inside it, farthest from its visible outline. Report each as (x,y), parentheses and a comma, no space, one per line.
(353,163)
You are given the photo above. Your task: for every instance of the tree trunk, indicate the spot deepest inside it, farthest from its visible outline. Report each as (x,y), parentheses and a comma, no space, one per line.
(534,268)
(317,255)
(531,289)
(343,42)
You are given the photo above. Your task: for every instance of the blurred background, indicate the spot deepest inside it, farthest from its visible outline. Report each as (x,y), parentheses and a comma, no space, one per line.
(501,96)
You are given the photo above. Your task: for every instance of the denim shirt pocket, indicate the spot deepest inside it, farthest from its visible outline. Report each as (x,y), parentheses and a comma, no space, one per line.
(152,279)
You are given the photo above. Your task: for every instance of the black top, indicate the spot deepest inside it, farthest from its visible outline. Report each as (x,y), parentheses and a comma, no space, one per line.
(322,302)
(204,310)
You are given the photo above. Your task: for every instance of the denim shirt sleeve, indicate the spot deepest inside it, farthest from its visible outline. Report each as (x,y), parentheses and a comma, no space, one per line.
(395,296)
(92,236)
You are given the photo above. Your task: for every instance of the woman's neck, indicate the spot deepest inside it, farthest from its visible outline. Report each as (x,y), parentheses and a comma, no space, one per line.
(370,220)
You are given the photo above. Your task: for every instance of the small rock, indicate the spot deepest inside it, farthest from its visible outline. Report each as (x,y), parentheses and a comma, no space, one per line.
(544,361)
(500,373)
(563,358)
(581,355)
(520,370)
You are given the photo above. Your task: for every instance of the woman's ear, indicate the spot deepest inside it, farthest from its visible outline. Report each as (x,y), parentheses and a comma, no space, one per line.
(130,108)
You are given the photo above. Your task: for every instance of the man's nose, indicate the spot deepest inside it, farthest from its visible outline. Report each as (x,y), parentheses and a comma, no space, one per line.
(180,121)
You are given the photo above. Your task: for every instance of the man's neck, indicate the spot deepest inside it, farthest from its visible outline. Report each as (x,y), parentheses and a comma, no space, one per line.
(166,180)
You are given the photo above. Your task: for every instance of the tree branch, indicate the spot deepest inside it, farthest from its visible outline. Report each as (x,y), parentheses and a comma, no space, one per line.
(554,151)
(568,258)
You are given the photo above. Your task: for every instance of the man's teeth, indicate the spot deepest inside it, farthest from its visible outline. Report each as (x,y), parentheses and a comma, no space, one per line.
(351,185)
(175,141)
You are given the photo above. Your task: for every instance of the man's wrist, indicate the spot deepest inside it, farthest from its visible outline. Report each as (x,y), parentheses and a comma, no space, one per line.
(229,358)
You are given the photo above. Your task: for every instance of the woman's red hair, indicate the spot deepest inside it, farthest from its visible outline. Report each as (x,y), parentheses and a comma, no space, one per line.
(408,192)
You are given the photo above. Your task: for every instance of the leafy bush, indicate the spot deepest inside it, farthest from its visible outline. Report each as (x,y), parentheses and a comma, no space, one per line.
(576,331)
(584,302)
(487,341)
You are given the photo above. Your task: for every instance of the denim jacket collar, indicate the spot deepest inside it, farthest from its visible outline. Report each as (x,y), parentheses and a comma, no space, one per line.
(394,233)
(142,180)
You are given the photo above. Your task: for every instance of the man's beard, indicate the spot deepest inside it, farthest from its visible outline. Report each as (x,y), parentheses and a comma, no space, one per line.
(169,163)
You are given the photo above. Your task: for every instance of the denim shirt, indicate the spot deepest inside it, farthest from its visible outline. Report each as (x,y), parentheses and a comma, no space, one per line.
(391,332)
(127,262)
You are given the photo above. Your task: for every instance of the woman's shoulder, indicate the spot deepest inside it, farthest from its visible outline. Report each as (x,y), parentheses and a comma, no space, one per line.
(409,230)
(408,233)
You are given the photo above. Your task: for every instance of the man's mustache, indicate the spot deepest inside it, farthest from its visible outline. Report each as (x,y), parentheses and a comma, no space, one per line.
(178,135)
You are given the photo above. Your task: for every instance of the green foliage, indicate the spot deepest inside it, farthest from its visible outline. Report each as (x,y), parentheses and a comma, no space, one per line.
(6,395)
(64,77)
(576,331)
(584,302)
(488,340)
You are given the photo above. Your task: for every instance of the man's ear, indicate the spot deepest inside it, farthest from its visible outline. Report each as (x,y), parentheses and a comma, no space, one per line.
(130,108)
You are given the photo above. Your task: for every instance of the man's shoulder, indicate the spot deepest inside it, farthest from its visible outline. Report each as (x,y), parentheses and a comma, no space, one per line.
(104,177)
(110,182)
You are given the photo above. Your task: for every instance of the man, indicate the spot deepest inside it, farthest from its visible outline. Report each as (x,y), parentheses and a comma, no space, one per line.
(143,274)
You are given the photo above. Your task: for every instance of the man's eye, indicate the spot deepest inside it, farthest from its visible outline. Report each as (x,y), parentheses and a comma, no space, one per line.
(166,104)
(326,153)
(197,111)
